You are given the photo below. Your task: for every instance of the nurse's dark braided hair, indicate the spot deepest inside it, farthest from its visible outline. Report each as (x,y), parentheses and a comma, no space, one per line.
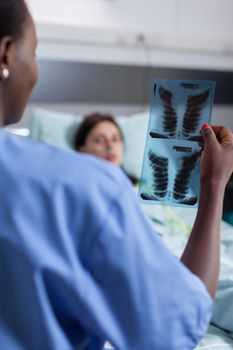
(13,16)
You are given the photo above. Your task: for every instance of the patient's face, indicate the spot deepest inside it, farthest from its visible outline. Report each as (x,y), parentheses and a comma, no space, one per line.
(105,141)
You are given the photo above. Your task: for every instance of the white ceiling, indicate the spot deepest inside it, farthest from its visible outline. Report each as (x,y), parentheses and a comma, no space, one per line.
(206,17)
(178,33)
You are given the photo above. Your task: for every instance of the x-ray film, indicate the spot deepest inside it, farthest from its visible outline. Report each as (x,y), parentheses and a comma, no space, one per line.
(171,164)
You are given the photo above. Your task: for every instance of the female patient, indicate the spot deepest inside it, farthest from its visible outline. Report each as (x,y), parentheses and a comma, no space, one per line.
(79,263)
(100,135)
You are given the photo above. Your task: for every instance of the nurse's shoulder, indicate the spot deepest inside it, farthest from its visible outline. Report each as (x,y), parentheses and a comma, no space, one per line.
(51,166)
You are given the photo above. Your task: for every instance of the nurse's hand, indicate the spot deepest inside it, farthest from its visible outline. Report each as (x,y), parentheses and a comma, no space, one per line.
(217,156)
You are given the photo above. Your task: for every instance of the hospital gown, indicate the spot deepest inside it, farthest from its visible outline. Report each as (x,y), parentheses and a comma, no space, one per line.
(80,264)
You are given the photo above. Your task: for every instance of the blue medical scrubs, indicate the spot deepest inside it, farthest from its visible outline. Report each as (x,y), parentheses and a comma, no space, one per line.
(79,262)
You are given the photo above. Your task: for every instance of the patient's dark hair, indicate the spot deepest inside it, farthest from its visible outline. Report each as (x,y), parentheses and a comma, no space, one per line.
(88,123)
(13,16)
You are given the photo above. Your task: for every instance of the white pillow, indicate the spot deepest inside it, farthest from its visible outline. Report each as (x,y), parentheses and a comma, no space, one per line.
(134,130)
(58,128)
(55,128)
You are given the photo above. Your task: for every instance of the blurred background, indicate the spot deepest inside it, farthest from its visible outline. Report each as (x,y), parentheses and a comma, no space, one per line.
(103,54)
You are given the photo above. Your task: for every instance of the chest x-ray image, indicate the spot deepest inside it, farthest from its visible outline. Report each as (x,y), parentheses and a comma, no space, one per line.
(171,164)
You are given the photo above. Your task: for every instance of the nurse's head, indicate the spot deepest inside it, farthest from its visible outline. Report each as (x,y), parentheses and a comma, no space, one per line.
(100,135)
(18,70)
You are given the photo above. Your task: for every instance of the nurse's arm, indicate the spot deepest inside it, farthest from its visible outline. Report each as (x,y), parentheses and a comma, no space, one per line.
(202,253)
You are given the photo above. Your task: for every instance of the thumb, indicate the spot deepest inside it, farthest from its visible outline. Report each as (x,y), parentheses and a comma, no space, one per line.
(208,135)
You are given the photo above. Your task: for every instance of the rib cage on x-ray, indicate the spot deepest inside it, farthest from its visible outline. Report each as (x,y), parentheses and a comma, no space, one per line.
(159,167)
(169,116)
(170,171)
(193,111)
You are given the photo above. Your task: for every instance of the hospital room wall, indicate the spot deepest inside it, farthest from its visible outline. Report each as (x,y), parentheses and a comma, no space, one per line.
(120,89)
(203,35)
(209,22)
(80,88)
(213,19)
(222,115)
